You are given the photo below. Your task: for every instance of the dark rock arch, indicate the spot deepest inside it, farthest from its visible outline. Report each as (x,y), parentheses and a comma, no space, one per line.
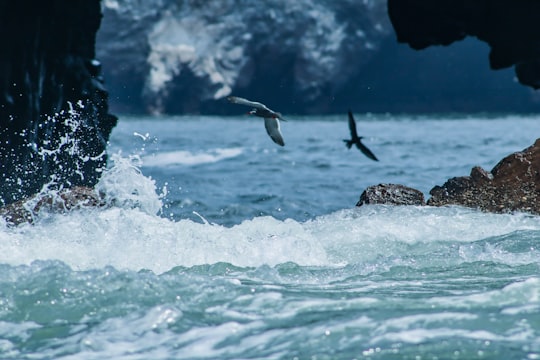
(509,27)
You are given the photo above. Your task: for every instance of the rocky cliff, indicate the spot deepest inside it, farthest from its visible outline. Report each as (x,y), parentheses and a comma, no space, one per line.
(54,119)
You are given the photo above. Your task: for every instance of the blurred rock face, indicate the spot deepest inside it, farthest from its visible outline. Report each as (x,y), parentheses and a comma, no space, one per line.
(181,56)
(301,57)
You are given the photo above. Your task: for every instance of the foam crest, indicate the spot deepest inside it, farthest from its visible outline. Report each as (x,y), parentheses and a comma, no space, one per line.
(514,295)
(129,234)
(132,239)
(189,158)
(367,233)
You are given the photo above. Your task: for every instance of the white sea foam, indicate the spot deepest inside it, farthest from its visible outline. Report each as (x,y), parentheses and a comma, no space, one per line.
(190,158)
(128,238)
(131,239)
(370,232)
(131,234)
(511,296)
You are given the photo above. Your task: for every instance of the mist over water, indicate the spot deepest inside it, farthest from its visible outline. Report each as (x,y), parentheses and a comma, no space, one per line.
(219,244)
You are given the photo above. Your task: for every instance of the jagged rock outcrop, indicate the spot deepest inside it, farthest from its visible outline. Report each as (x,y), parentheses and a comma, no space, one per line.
(512,185)
(509,27)
(54,119)
(391,194)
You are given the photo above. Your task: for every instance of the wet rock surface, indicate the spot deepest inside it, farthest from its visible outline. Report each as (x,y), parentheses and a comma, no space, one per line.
(391,194)
(512,185)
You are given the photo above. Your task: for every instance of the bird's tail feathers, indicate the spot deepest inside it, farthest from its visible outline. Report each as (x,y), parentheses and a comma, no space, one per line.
(348,143)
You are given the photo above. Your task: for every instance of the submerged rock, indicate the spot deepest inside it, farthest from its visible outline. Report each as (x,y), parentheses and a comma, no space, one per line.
(391,194)
(26,210)
(512,185)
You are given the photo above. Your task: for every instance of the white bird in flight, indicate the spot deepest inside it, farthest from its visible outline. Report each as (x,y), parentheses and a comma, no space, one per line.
(271,118)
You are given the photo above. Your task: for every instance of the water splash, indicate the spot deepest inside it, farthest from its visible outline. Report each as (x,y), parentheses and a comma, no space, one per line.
(69,145)
(124,185)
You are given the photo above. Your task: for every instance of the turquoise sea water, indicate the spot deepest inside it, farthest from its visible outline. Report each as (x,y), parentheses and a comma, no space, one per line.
(219,244)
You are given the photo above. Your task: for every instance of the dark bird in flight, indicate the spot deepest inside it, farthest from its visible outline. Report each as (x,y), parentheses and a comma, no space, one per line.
(271,118)
(356,140)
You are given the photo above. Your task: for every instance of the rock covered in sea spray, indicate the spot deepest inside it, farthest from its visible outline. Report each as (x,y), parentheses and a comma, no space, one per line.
(121,185)
(177,55)
(26,210)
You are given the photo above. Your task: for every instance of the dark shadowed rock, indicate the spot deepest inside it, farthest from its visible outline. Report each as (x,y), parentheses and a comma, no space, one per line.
(391,194)
(509,27)
(512,185)
(26,210)
(54,120)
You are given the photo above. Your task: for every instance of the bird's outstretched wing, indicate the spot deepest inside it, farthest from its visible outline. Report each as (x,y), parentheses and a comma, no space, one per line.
(242,101)
(272,128)
(352,127)
(366,151)
(355,139)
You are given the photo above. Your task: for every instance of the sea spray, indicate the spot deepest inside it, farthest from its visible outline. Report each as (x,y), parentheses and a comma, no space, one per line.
(71,123)
(124,185)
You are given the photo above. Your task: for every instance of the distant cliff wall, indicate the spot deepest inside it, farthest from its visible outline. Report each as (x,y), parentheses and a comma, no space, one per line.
(54,117)
(299,57)
(187,56)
